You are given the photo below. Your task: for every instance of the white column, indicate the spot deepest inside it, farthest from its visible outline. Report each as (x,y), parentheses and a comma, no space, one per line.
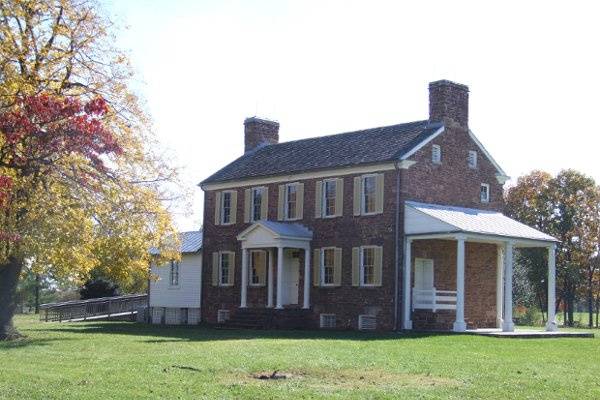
(306,279)
(270,280)
(279,303)
(499,286)
(243,302)
(406,285)
(507,324)
(459,323)
(552,326)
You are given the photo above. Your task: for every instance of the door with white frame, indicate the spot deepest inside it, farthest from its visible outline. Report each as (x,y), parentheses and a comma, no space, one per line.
(291,277)
(423,289)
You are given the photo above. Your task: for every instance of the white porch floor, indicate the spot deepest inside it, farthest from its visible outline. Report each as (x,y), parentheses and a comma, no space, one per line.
(528,333)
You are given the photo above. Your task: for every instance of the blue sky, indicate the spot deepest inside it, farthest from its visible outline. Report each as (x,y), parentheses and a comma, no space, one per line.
(321,67)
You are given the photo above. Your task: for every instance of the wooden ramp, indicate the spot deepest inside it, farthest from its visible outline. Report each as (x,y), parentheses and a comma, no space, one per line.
(93,309)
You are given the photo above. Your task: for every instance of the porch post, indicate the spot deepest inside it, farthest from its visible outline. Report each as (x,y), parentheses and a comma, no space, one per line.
(306,279)
(406,283)
(279,277)
(270,280)
(552,326)
(499,286)
(243,302)
(507,324)
(459,323)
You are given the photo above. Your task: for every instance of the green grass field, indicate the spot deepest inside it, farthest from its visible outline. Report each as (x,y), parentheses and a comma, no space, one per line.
(121,360)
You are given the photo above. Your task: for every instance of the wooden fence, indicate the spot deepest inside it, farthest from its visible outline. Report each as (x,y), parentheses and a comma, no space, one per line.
(104,307)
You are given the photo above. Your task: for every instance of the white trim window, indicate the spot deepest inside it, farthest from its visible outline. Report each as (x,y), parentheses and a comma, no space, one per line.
(369,194)
(472,159)
(226,207)
(328,266)
(367,266)
(329,198)
(484,193)
(256,207)
(174,273)
(291,201)
(436,154)
(225,268)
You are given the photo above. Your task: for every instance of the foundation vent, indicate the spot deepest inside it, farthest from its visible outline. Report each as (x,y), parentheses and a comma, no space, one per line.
(367,322)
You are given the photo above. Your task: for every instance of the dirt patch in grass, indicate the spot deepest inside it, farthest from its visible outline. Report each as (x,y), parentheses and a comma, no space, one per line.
(340,380)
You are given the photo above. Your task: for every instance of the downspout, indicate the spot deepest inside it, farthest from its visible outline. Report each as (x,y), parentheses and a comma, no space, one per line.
(396,247)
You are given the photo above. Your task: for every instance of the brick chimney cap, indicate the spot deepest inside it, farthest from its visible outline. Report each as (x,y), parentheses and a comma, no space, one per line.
(445,82)
(264,121)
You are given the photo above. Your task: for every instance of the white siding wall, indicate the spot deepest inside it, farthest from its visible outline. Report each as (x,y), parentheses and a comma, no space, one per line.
(187,294)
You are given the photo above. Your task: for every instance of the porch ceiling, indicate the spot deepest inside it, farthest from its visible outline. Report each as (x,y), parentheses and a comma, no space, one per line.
(422,219)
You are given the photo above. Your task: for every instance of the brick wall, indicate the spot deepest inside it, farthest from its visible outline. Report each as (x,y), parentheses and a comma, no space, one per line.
(347,231)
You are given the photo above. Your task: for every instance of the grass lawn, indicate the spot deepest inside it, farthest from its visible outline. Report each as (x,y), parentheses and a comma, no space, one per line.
(121,360)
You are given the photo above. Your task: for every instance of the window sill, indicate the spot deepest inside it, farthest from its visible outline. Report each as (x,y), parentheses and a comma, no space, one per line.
(174,287)
(369,214)
(225,286)
(330,216)
(328,286)
(256,285)
(372,286)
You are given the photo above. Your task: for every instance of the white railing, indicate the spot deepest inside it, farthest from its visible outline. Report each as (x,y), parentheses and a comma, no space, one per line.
(433,299)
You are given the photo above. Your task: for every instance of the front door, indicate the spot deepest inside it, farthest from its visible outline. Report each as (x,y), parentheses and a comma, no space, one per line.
(291,278)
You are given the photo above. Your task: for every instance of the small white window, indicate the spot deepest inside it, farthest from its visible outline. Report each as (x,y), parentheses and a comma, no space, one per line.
(472,159)
(436,154)
(174,273)
(484,193)
(327,321)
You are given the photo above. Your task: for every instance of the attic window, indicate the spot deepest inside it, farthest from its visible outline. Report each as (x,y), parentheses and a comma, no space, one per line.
(436,154)
(472,160)
(484,193)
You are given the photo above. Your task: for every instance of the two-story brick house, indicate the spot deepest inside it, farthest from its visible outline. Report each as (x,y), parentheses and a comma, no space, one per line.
(397,227)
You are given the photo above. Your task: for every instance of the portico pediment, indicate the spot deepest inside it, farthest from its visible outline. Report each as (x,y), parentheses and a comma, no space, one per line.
(263,234)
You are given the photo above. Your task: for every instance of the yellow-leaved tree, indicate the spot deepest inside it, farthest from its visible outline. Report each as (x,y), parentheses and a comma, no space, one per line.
(82,184)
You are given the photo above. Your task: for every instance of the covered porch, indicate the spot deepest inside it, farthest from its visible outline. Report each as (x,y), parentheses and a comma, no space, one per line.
(285,246)
(458,268)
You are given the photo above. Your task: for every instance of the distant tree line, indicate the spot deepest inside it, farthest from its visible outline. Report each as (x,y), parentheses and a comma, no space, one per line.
(566,206)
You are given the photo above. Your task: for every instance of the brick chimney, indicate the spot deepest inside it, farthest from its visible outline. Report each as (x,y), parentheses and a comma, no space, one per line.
(259,132)
(449,101)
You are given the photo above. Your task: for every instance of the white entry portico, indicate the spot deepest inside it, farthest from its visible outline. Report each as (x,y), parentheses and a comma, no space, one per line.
(462,225)
(282,241)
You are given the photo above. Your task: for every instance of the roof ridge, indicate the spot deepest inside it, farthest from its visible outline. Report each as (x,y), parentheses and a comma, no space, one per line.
(343,133)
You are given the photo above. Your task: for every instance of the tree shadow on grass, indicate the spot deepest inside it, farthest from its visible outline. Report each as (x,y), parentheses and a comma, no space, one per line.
(27,342)
(164,334)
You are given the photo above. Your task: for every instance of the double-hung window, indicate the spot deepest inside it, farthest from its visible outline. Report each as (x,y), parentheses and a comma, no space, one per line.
(174,273)
(256,209)
(472,159)
(436,154)
(329,198)
(226,204)
(291,201)
(367,266)
(224,269)
(328,266)
(369,193)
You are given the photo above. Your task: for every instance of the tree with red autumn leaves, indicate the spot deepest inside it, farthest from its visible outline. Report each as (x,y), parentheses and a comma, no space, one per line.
(82,183)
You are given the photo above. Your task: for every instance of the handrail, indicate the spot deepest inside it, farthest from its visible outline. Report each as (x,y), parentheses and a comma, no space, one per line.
(84,309)
(433,299)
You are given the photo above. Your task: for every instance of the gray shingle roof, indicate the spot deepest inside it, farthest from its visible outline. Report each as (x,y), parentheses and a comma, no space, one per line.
(190,242)
(345,149)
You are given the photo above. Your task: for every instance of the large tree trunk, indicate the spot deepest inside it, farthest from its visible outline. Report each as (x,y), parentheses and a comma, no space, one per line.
(9,278)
